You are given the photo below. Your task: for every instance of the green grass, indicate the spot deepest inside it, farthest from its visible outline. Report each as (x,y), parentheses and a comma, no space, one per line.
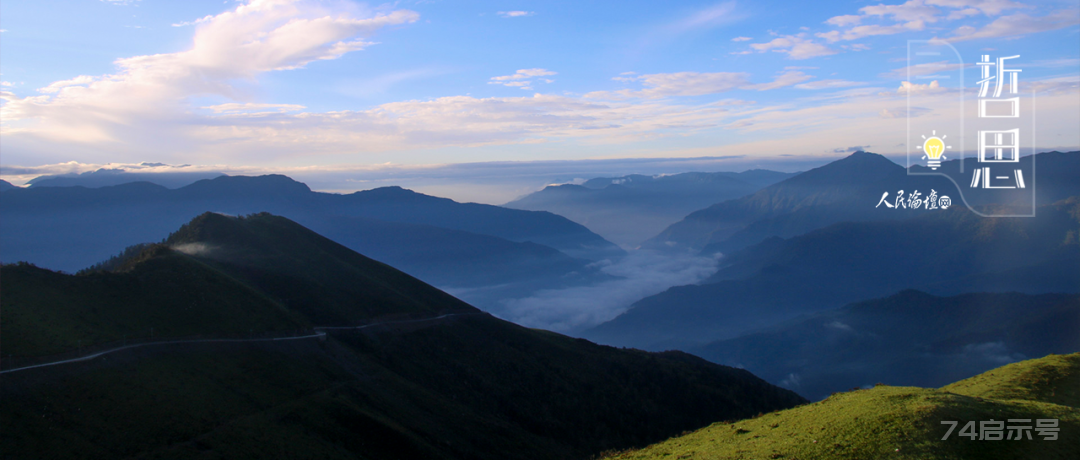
(901,422)
(1053,379)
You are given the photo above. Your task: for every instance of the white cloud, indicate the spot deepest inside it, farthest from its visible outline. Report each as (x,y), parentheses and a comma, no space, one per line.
(912,16)
(191,23)
(524,74)
(796,47)
(787,78)
(912,10)
(839,325)
(908,87)
(643,273)
(148,94)
(77,81)
(718,14)
(1019,24)
(987,7)
(515,14)
(677,84)
(238,108)
(828,84)
(519,79)
(845,20)
(923,69)
(741,39)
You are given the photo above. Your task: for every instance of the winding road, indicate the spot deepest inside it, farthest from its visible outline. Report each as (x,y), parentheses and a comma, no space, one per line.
(318,334)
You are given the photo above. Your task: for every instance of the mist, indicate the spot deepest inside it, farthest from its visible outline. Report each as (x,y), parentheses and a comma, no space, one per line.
(641,273)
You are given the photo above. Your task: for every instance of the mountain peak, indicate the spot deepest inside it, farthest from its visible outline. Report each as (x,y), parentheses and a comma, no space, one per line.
(270,184)
(858,168)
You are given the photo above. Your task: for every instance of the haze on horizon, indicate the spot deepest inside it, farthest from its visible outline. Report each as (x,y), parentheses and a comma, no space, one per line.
(442,97)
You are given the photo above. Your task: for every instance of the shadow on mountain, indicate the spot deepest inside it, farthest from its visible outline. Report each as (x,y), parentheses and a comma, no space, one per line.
(461,386)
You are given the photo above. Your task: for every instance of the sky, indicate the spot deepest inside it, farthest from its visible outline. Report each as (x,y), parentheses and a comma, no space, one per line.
(486,101)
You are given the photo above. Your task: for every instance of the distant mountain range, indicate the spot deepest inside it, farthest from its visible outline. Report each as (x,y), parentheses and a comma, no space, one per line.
(845,191)
(943,252)
(444,242)
(5,185)
(630,209)
(908,339)
(908,422)
(428,377)
(105,177)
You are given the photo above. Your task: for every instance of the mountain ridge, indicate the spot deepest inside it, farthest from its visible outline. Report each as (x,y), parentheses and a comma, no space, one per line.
(467,387)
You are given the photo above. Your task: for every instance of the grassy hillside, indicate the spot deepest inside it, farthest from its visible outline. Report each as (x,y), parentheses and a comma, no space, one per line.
(902,422)
(468,386)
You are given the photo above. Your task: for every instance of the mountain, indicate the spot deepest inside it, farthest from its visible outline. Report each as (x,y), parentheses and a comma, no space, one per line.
(846,190)
(941,252)
(630,209)
(5,186)
(907,422)
(444,242)
(907,339)
(427,376)
(106,177)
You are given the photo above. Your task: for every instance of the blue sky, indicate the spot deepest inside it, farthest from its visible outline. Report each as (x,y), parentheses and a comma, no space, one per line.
(341,89)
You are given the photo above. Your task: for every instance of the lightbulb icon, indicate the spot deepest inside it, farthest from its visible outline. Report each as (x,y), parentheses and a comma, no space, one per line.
(934,149)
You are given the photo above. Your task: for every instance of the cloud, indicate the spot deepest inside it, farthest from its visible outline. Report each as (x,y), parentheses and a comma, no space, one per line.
(711,16)
(924,69)
(515,14)
(77,81)
(520,78)
(787,78)
(912,16)
(795,46)
(910,11)
(191,23)
(195,249)
(237,108)
(148,94)
(837,324)
(987,7)
(828,84)
(995,352)
(677,84)
(907,87)
(791,382)
(741,39)
(845,20)
(1019,24)
(643,273)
